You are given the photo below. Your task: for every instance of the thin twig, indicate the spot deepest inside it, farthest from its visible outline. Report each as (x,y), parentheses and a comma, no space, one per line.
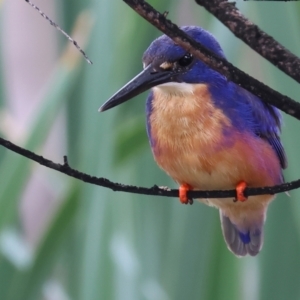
(253,36)
(222,66)
(61,30)
(155,190)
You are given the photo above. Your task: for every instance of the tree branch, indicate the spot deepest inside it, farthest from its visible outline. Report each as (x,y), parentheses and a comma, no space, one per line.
(265,93)
(253,36)
(155,190)
(222,66)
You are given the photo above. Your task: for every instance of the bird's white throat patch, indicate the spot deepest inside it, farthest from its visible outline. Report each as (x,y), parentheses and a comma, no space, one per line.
(176,88)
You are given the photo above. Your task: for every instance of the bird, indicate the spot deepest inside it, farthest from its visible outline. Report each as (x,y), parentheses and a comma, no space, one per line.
(208,133)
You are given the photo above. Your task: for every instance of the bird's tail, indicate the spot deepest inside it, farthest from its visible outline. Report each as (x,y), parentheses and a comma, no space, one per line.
(243,241)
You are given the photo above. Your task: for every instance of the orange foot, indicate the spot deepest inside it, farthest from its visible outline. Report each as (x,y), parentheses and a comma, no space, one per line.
(183,189)
(240,188)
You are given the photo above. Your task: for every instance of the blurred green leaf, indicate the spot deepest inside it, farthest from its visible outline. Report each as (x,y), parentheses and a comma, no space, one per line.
(31,282)
(17,167)
(106,245)
(130,139)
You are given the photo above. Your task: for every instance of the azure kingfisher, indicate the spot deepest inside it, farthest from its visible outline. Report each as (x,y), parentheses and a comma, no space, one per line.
(209,133)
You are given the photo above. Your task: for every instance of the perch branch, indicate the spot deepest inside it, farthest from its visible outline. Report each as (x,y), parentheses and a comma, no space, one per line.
(270,96)
(155,190)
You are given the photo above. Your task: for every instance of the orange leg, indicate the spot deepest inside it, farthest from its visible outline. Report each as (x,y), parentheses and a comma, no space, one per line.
(183,189)
(240,188)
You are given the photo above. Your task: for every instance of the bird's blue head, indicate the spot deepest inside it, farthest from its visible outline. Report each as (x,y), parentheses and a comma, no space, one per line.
(165,62)
(165,55)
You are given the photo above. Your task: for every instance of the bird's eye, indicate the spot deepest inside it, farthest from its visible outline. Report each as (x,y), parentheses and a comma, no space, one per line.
(185,60)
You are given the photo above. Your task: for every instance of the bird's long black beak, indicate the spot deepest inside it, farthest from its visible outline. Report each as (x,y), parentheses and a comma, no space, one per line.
(145,80)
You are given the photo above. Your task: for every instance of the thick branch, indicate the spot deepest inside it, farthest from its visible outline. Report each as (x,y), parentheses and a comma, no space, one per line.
(222,66)
(155,190)
(254,37)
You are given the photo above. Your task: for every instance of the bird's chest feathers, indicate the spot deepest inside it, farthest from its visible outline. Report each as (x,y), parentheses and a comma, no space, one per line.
(185,119)
(186,128)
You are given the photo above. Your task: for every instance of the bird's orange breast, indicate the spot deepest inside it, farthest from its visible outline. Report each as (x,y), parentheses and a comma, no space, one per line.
(195,143)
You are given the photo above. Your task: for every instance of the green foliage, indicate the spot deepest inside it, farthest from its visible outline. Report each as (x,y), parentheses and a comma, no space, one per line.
(105,245)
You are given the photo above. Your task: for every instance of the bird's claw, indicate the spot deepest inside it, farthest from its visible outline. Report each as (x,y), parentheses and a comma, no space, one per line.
(240,188)
(183,189)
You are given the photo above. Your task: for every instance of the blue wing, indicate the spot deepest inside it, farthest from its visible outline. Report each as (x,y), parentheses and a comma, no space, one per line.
(266,122)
